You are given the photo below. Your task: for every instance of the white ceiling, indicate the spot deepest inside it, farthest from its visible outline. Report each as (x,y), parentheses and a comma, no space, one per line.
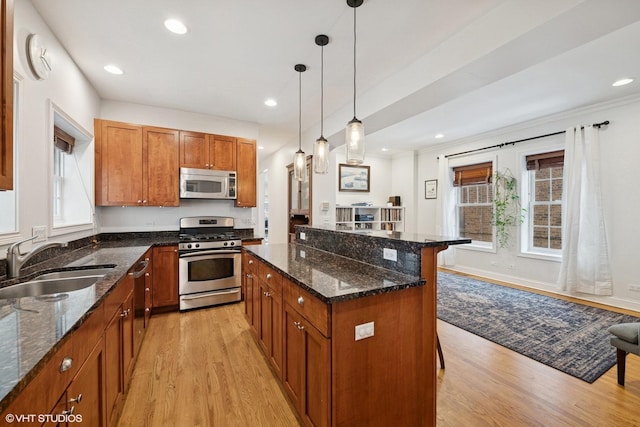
(460,67)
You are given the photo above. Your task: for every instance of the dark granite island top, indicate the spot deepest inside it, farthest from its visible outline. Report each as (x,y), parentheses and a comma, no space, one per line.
(330,277)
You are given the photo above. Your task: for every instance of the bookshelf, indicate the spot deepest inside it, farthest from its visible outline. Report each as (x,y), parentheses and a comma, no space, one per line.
(370,218)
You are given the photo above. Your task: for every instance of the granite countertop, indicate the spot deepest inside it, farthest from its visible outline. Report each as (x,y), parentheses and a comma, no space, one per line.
(332,278)
(31,330)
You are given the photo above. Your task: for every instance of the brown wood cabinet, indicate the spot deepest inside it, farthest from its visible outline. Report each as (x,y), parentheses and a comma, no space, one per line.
(6,96)
(307,368)
(165,278)
(160,166)
(135,165)
(247,173)
(86,391)
(119,347)
(206,151)
(249,273)
(270,316)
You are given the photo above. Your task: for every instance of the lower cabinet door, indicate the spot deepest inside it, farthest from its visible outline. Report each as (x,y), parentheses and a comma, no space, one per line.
(86,391)
(307,369)
(114,389)
(293,357)
(317,384)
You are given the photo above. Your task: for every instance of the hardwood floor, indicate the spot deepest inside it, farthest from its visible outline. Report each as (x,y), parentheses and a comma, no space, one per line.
(203,368)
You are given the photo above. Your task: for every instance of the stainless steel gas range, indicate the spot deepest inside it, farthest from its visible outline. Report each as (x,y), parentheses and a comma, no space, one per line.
(209,262)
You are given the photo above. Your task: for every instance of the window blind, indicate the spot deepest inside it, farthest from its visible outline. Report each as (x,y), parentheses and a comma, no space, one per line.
(545,160)
(63,140)
(479,173)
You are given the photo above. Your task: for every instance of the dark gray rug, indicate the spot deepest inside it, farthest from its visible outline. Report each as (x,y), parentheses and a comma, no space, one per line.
(570,337)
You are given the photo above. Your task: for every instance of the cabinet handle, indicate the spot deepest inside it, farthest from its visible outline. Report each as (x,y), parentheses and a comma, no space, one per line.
(250,261)
(249,276)
(299,326)
(146,274)
(267,294)
(300,300)
(66,364)
(125,313)
(147,290)
(144,202)
(70,411)
(76,399)
(175,250)
(268,276)
(147,309)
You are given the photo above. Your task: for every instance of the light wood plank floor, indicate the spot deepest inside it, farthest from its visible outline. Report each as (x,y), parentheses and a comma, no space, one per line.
(203,368)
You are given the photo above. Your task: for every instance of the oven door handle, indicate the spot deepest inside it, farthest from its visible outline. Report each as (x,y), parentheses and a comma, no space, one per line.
(208,294)
(211,252)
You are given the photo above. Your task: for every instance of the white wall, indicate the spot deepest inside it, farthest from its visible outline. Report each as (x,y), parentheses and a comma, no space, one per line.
(67,88)
(117,219)
(404,169)
(620,175)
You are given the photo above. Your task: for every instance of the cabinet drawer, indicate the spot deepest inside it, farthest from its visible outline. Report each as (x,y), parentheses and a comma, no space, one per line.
(310,307)
(250,263)
(269,276)
(113,301)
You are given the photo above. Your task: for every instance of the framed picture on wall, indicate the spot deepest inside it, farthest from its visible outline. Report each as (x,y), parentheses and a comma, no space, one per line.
(431,189)
(354,178)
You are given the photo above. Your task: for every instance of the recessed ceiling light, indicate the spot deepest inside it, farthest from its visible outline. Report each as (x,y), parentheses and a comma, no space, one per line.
(175,26)
(385,149)
(260,147)
(622,82)
(438,135)
(113,69)
(270,102)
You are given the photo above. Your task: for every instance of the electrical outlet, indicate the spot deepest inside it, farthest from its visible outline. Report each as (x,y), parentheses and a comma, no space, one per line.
(303,254)
(365,330)
(390,254)
(635,288)
(303,236)
(40,233)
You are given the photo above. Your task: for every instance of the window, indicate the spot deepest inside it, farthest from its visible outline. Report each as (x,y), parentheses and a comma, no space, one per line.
(8,199)
(71,183)
(545,202)
(474,201)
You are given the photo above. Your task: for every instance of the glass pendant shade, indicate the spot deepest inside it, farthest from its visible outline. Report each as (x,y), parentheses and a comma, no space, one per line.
(321,155)
(299,166)
(354,137)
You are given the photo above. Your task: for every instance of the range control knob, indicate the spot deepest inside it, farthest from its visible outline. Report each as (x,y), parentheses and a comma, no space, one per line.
(233,243)
(226,243)
(197,245)
(189,245)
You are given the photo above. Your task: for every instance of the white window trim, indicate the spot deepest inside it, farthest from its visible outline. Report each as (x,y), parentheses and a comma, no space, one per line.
(59,230)
(476,245)
(525,196)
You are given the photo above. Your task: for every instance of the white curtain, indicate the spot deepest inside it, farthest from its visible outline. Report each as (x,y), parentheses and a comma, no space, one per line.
(585,260)
(446,210)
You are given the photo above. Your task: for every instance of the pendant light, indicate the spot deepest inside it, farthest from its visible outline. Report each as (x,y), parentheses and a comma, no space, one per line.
(354,132)
(299,158)
(321,147)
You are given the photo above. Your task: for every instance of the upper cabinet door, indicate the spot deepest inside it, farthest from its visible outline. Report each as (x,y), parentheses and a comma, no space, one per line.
(161,166)
(247,176)
(6,96)
(222,151)
(194,150)
(118,158)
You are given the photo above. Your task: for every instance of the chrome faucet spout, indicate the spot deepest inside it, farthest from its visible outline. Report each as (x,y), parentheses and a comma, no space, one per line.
(15,260)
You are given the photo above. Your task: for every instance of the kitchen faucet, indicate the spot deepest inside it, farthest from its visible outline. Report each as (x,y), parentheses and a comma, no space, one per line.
(15,259)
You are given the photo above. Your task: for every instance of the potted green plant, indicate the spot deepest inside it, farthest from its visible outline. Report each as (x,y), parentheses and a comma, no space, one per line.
(507,211)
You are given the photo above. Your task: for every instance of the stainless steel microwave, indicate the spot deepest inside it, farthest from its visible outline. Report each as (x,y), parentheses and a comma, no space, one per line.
(207,184)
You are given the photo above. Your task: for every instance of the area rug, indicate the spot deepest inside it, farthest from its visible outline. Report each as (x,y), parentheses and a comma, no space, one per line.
(570,337)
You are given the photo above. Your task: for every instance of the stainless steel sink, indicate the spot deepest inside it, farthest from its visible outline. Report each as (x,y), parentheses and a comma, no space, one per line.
(36,288)
(75,273)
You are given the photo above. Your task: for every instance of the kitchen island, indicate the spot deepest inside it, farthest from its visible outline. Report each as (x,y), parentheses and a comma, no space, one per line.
(353,342)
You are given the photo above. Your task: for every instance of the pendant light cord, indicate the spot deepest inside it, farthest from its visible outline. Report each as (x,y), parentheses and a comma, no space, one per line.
(300,111)
(354,62)
(322,91)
